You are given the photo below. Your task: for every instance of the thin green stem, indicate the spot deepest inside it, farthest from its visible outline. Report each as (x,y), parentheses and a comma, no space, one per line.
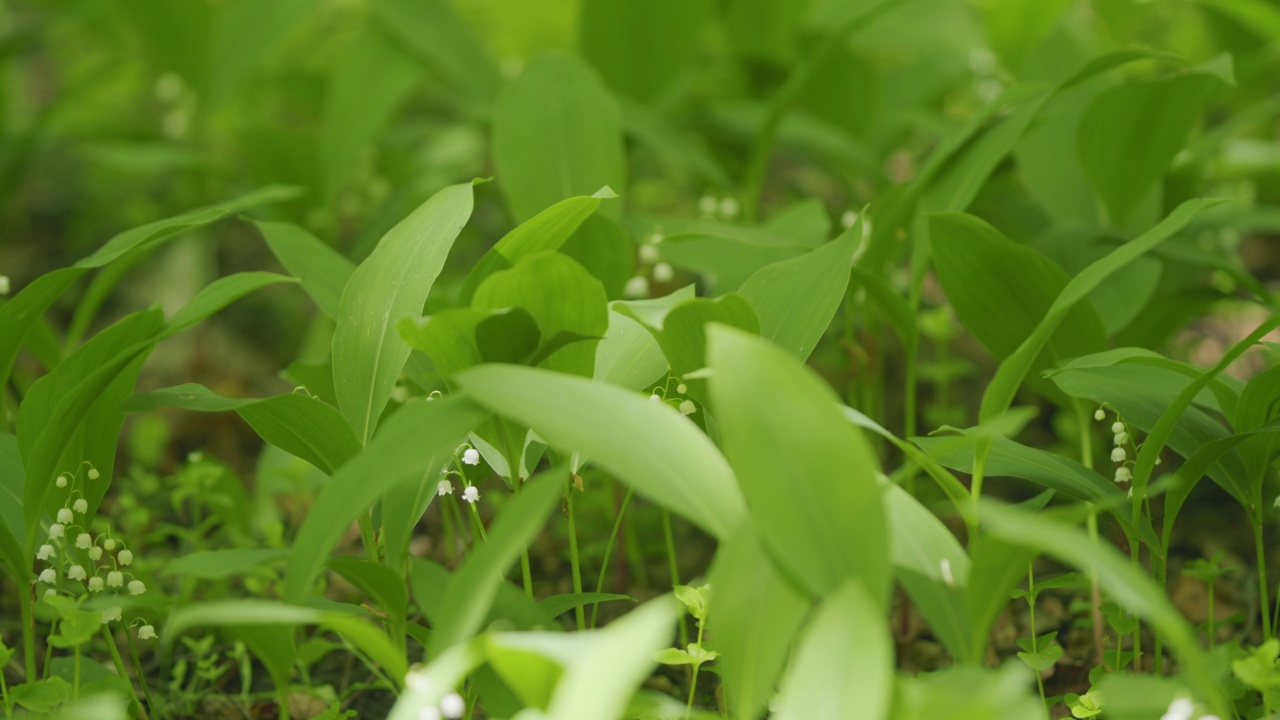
(119,663)
(574,562)
(1095,595)
(75,686)
(1211,633)
(693,682)
(4,696)
(1035,647)
(608,552)
(673,566)
(152,708)
(368,537)
(1260,551)
(26,602)
(1135,550)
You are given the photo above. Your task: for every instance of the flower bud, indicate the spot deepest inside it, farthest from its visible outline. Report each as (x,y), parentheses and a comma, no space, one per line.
(688,408)
(1117,427)
(452,706)
(61,482)
(636,287)
(1099,415)
(94,474)
(1121,438)
(109,544)
(663,273)
(649,254)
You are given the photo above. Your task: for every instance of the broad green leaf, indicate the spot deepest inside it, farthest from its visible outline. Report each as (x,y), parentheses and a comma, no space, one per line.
(607,665)
(1127,585)
(1009,458)
(682,333)
(368,84)
(628,356)
(298,424)
(403,507)
(557,605)
(726,255)
(321,269)
(647,445)
(754,616)
(391,284)
(1130,133)
(248,33)
(606,250)
(70,415)
(23,311)
(805,221)
(1016,29)
(432,30)
(1012,371)
(11,484)
(843,666)
(561,296)
(451,337)
(1225,390)
(375,580)
(932,568)
(219,564)
(532,676)
(548,230)
(969,693)
(996,568)
(1141,394)
(796,299)
(407,442)
(44,695)
(640,47)
(217,295)
(827,524)
(1000,290)
(470,592)
(556,134)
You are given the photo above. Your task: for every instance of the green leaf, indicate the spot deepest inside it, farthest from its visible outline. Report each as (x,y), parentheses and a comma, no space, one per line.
(557,605)
(628,355)
(608,670)
(843,666)
(682,333)
(11,483)
(451,337)
(548,230)
(472,589)
(1001,290)
(647,445)
(322,270)
(640,47)
(556,134)
(795,299)
(249,31)
(298,424)
(42,696)
(1130,133)
(408,441)
(561,296)
(969,693)
(20,314)
(754,616)
(220,564)
(432,30)
(828,524)
(932,568)
(1012,371)
(1042,660)
(217,295)
(376,581)
(368,84)
(392,283)
(726,255)
(70,415)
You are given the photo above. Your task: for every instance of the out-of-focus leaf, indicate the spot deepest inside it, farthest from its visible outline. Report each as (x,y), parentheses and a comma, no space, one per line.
(641,46)
(321,269)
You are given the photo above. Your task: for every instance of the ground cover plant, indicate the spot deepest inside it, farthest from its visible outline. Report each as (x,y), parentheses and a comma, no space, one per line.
(613,359)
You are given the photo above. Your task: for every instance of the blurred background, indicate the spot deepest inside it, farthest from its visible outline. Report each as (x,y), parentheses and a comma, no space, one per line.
(114,113)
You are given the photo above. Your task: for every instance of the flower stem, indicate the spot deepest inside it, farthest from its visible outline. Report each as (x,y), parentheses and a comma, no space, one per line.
(1261,552)
(154,711)
(608,552)
(675,569)
(574,562)
(120,668)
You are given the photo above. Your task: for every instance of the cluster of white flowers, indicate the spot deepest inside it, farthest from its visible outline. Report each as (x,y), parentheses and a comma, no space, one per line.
(73,553)
(1181,708)
(686,406)
(652,264)
(452,706)
(470,493)
(726,208)
(1120,438)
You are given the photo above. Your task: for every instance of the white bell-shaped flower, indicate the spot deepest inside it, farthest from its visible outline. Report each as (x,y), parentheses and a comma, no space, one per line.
(136,587)
(1118,455)
(65,517)
(453,706)
(147,632)
(636,287)
(84,541)
(688,408)
(112,614)
(115,578)
(125,557)
(47,551)
(471,494)
(76,572)
(1123,475)
(95,553)
(56,530)
(95,584)
(48,575)
(471,456)
(444,488)
(80,505)
(663,272)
